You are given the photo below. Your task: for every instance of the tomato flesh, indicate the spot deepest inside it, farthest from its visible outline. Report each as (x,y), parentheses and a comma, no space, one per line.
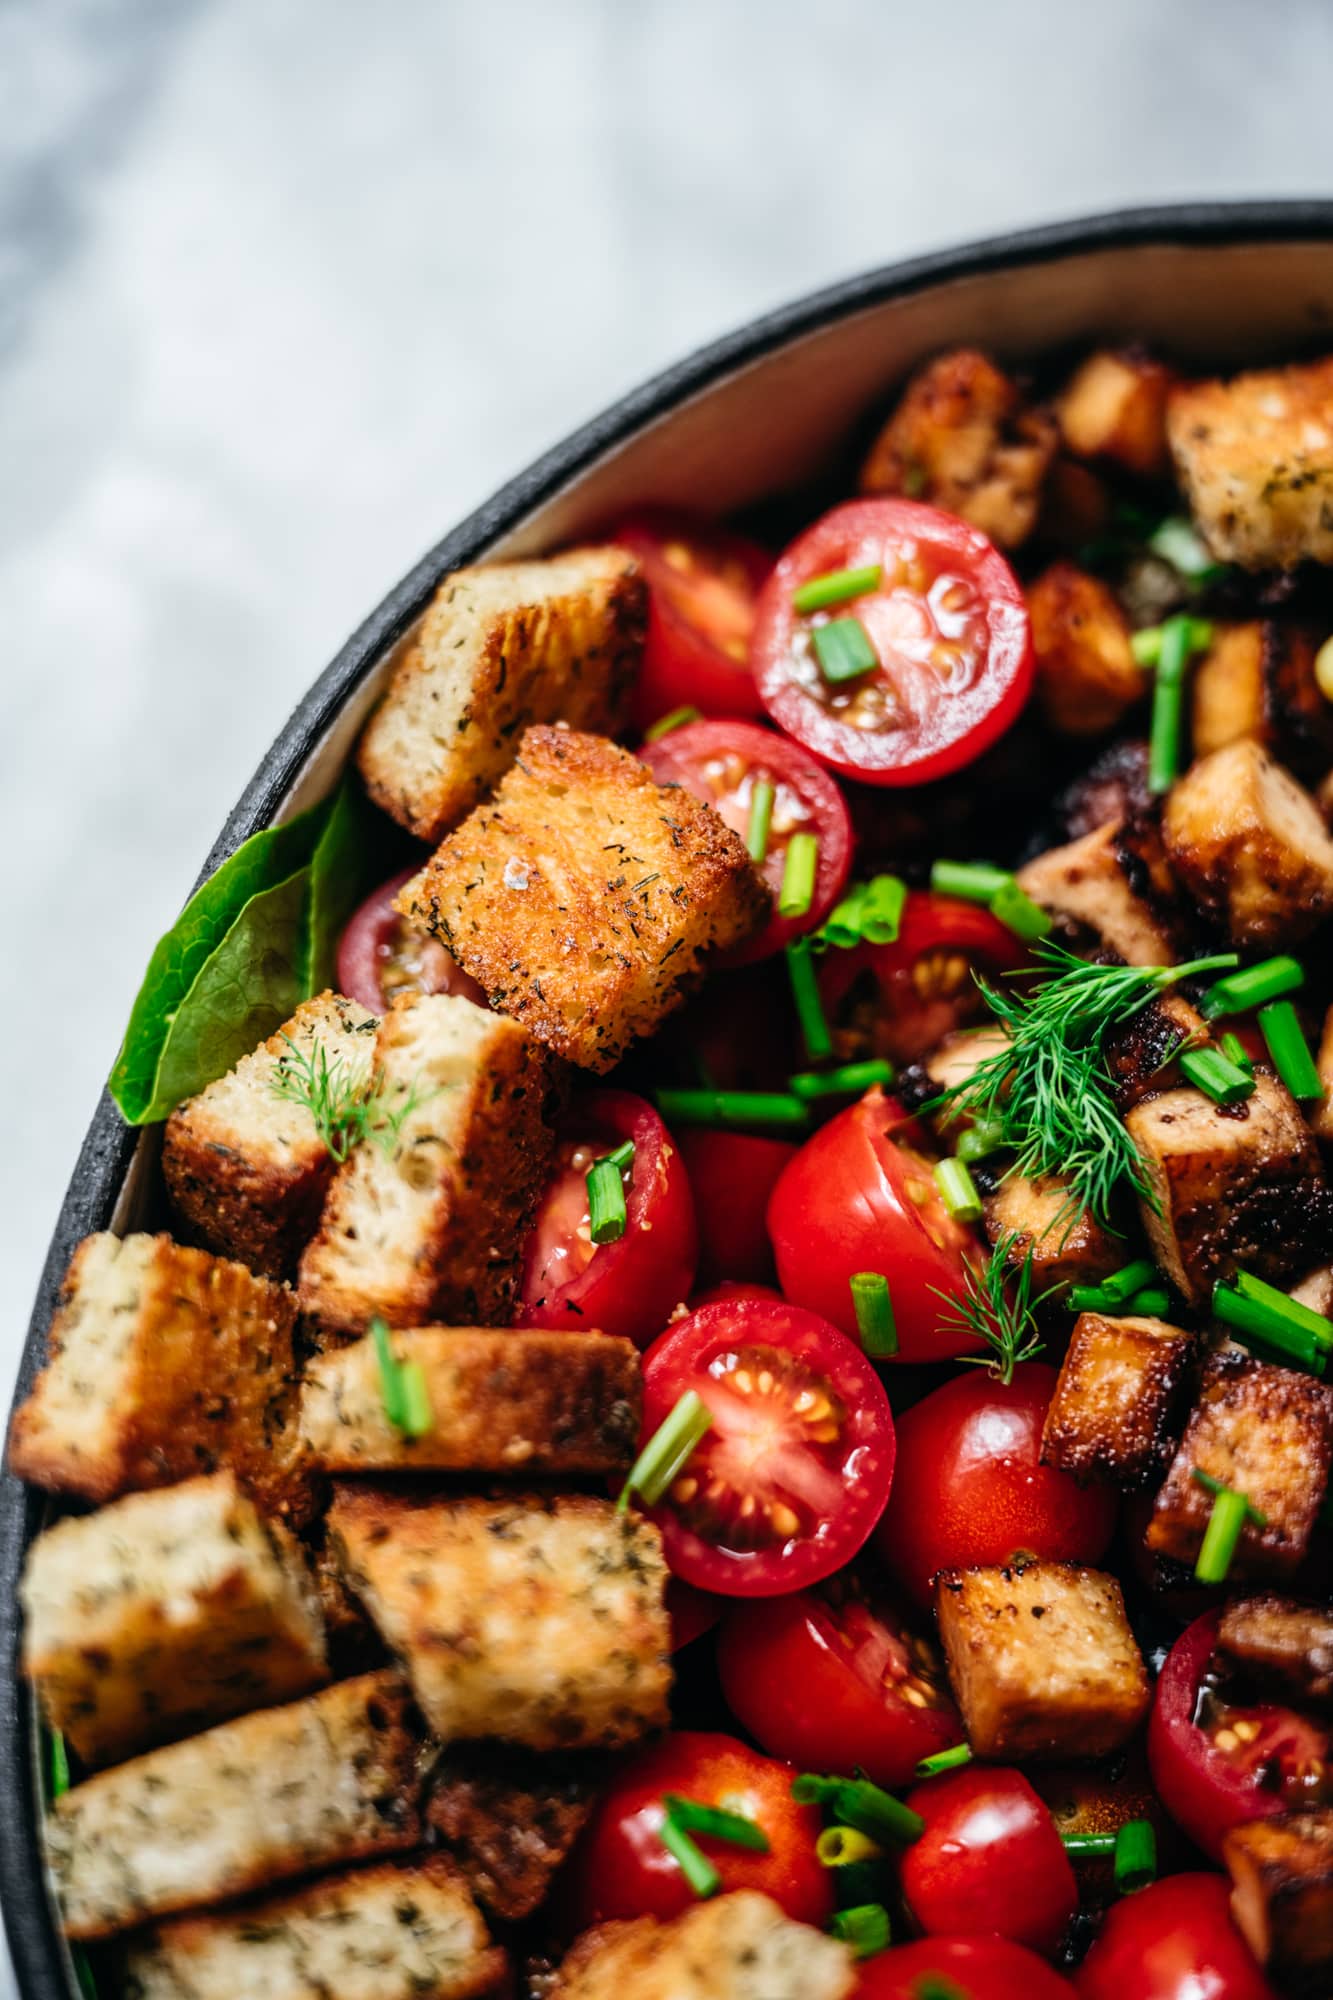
(900,1000)
(1173,1940)
(382,954)
(989,1859)
(703,588)
(982,1968)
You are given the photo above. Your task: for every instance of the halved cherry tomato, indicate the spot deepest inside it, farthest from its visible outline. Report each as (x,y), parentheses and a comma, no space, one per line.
(1174,1940)
(381,954)
(732,1175)
(946,621)
(721,763)
(703,586)
(982,1968)
(899,1000)
(621,1869)
(861,1196)
(791,1478)
(1216,1765)
(832,1679)
(990,1859)
(632,1285)
(971,1487)
(692,1612)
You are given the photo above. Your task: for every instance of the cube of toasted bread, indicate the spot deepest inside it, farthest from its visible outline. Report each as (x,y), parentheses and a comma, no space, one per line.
(1255,456)
(738,1947)
(1041,1660)
(321,1782)
(245,1165)
(1087,676)
(501,647)
(1114,406)
(1282,1645)
(1115,1403)
(431,1224)
(1087,885)
(510,1818)
(535,1621)
(1263,1431)
(1245,840)
(163,1613)
(500,1402)
(1068,1246)
(962,438)
(164,1363)
(1282,1896)
(585,896)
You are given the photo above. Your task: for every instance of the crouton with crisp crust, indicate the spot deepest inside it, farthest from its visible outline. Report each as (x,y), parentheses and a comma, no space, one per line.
(501,647)
(1087,676)
(1282,1896)
(1115,1402)
(1281,1645)
(585,896)
(510,1818)
(1255,457)
(431,1225)
(1068,1246)
(1251,846)
(1087,884)
(1114,407)
(538,1621)
(737,1947)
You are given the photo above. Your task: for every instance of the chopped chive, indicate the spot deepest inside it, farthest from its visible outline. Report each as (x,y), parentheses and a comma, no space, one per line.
(391,1381)
(958,1190)
(945,1760)
(59,1765)
(768,1110)
(607,1214)
(1176,541)
(1015,909)
(1126,1294)
(622,1157)
(837,586)
(666,1451)
(1234,1049)
(1281,1332)
(1290,1051)
(418,1416)
(1135,1856)
(1146,646)
(1269,1312)
(837,1846)
(865,1928)
(675,719)
(874,1314)
(1230,1512)
(1240,991)
(809,1007)
(970,881)
(1210,1071)
(1130,1278)
(695,1866)
(882,909)
(980,1140)
(842,927)
(843,650)
(1153,1302)
(761,818)
(1168,706)
(799,865)
(716,1824)
(848,1081)
(859,1803)
(1082,1846)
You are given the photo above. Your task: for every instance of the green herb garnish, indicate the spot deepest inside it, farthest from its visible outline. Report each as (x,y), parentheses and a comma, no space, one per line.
(997,1307)
(346,1100)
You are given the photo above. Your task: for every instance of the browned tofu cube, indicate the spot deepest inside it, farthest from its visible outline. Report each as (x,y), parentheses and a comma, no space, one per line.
(1281,1645)
(1258,680)
(1245,840)
(1087,676)
(1263,1431)
(1041,1659)
(510,1818)
(1255,456)
(952,1062)
(1142,1054)
(1086,884)
(1321,1114)
(1112,1412)
(1115,407)
(1282,1896)
(1067,1246)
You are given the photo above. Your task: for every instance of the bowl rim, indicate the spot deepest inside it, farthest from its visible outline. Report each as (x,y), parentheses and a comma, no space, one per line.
(39,1955)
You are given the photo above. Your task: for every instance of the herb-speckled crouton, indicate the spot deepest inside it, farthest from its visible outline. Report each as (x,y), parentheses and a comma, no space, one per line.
(1266,1432)
(1087,884)
(1087,676)
(432,1226)
(585,896)
(1068,1246)
(536,1621)
(1251,846)
(510,1818)
(246,1167)
(738,1947)
(324,1781)
(1255,456)
(1114,407)
(1112,1411)
(500,1402)
(1282,1896)
(1281,1645)
(501,647)
(163,1613)
(1041,1660)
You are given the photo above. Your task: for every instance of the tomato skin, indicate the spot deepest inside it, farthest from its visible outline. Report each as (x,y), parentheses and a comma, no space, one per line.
(983,1968)
(629,1287)
(1173,1940)
(941,942)
(732,1175)
(970,1488)
(990,1859)
(841,1207)
(620,1868)
(688,659)
(370,949)
(692,1612)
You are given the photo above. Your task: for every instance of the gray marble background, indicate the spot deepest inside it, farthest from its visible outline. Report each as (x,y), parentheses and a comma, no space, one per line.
(286,286)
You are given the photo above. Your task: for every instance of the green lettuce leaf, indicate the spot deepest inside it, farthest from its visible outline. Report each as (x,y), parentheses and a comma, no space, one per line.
(343,871)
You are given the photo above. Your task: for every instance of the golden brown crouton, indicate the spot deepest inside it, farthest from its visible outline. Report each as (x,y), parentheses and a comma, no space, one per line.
(1245,840)
(535,1621)
(432,1225)
(1258,680)
(163,1613)
(1281,1645)
(510,1818)
(1087,885)
(245,1166)
(1112,1411)
(1114,407)
(500,1402)
(392,1932)
(585,896)
(321,1782)
(1282,1896)
(1263,1431)
(962,439)
(1255,456)
(164,1363)
(1041,1660)
(1087,676)
(501,647)
(1067,1246)
(738,1947)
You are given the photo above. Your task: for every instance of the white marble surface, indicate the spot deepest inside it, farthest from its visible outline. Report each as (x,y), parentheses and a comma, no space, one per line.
(287,285)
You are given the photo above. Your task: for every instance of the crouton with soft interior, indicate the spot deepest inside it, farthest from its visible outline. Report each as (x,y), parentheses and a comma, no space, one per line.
(245,1164)
(737,1947)
(1067,1245)
(1251,846)
(537,1621)
(501,647)
(1114,407)
(585,897)
(1282,1896)
(1041,1660)
(166,1612)
(324,1781)
(1087,676)
(1116,1399)
(1255,457)
(431,1225)
(1085,883)
(510,1817)
(1283,1646)
(499,1402)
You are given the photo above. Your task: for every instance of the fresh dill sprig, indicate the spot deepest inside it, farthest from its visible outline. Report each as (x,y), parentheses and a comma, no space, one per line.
(345,1099)
(999,1309)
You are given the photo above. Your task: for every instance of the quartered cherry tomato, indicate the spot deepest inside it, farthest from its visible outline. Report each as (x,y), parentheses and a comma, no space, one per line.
(982,1968)
(381,954)
(990,1859)
(946,622)
(732,1175)
(791,1477)
(703,587)
(900,1000)
(721,763)
(1173,1940)
(630,1286)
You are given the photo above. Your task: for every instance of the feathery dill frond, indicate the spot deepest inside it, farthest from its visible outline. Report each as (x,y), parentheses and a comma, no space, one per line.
(999,1309)
(344,1098)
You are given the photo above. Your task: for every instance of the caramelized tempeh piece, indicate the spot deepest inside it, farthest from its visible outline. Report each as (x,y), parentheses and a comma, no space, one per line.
(1282,1901)
(1111,1414)
(738,1947)
(1282,1644)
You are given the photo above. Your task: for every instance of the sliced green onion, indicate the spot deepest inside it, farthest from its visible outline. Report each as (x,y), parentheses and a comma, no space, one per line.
(857,1802)
(958,1190)
(1240,991)
(945,1760)
(1234,1049)
(1154,1302)
(798,875)
(849,1081)
(59,1765)
(1127,1293)
(838,1846)
(666,1451)
(842,927)
(809,1007)
(1146,646)
(1130,1278)
(865,1928)
(418,1416)
(1015,909)
(391,1381)
(1290,1051)
(1135,1856)
(1083,1846)
(675,719)
(622,1157)
(1230,1512)
(873,1307)
(695,1866)
(607,1214)
(768,1110)
(837,586)
(761,818)
(693,1817)
(1168,706)
(1272,1311)
(1177,542)
(1210,1071)
(882,909)
(970,881)
(843,650)
(1279,1329)
(980,1140)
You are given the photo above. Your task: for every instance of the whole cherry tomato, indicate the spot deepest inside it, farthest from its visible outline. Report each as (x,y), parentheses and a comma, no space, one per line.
(982,1968)
(732,1175)
(1172,1941)
(703,587)
(990,1859)
(381,954)
(900,1000)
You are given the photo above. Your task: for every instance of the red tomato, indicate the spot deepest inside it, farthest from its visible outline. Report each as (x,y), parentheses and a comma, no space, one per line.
(971,1488)
(381,954)
(947,623)
(900,1000)
(859,1196)
(703,585)
(692,1612)
(990,1859)
(833,1680)
(1216,1765)
(721,763)
(728,1289)
(731,1177)
(621,1869)
(980,1968)
(1174,1940)
(793,1475)
(739,1033)
(631,1286)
